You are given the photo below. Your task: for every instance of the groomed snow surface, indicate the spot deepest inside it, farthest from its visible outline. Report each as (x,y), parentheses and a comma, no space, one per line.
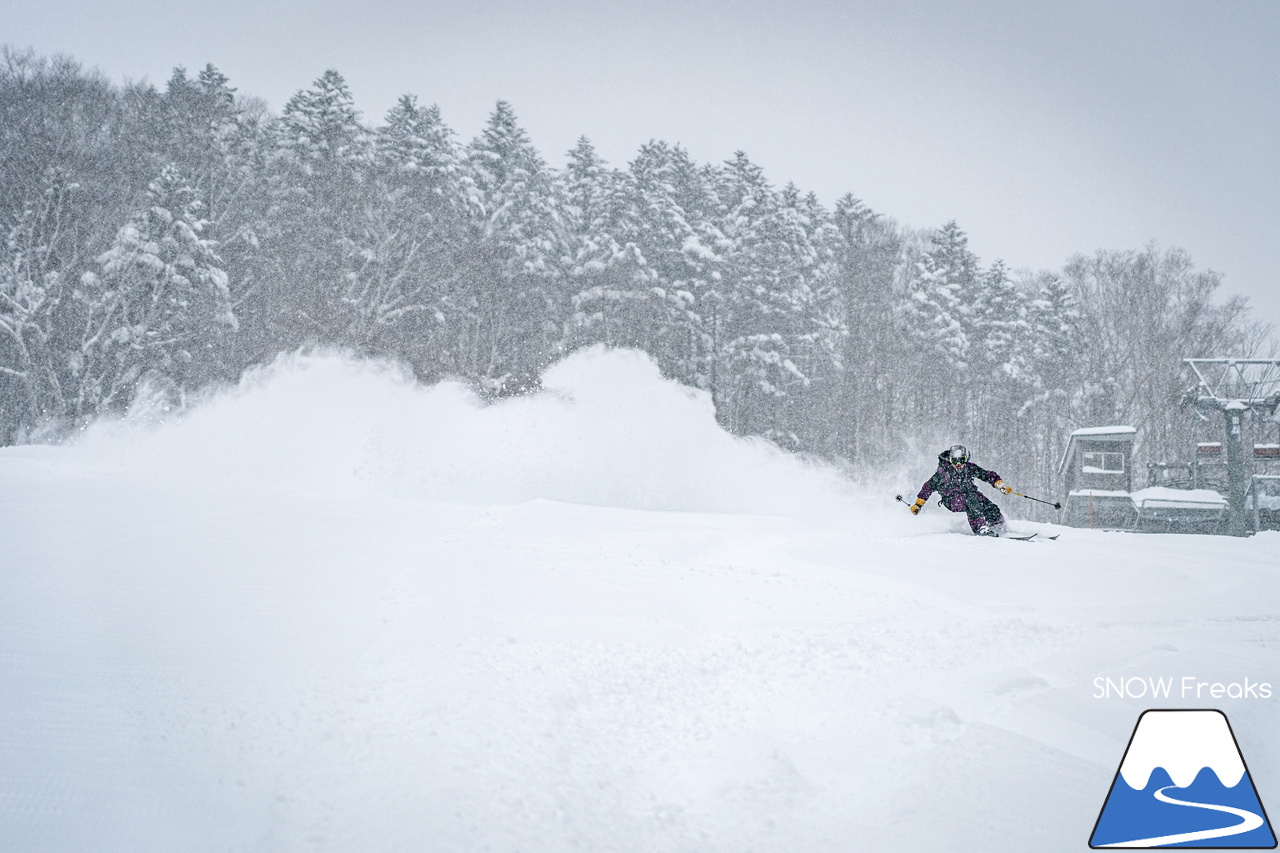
(332,610)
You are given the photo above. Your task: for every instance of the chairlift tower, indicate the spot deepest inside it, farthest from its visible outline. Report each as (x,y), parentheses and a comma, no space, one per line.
(1235,387)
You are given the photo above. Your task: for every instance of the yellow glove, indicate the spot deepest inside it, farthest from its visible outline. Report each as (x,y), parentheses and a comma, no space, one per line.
(915,507)
(1002,487)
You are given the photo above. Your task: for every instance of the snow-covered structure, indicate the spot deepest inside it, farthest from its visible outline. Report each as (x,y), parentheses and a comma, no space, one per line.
(1097,472)
(1163,510)
(1263,499)
(1242,390)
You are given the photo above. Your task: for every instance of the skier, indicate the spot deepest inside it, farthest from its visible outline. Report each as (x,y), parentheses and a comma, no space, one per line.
(954,482)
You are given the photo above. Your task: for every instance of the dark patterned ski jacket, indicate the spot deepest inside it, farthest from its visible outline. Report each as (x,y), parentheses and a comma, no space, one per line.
(956,485)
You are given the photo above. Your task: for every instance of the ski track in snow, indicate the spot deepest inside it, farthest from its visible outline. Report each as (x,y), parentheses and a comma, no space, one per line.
(200,657)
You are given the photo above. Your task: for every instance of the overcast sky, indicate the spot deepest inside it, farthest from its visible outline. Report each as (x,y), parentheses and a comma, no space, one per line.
(1044,129)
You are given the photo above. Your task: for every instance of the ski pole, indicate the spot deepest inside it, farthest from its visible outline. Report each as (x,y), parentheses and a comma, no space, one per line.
(899,498)
(1055,504)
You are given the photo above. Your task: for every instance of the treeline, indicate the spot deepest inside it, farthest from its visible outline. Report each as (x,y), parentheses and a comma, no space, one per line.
(168,239)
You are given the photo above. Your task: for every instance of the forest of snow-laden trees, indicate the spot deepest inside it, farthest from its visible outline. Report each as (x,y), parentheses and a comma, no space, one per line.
(160,240)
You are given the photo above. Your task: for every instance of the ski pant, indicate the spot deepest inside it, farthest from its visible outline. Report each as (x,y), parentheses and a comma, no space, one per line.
(981,510)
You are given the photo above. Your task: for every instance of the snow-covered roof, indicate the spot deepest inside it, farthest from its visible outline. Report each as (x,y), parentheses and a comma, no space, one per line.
(1105,430)
(1160,497)
(1120,433)
(1164,496)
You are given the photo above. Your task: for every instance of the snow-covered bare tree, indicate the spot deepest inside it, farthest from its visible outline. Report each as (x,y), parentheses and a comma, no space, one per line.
(159,303)
(72,159)
(33,290)
(1143,312)
(402,262)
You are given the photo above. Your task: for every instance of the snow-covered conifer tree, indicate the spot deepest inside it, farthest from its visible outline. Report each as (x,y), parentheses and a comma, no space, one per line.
(200,123)
(759,311)
(998,325)
(1000,362)
(321,125)
(1057,379)
(1053,333)
(935,321)
(521,306)
(670,202)
(606,278)
(804,420)
(414,141)
(319,188)
(937,309)
(866,248)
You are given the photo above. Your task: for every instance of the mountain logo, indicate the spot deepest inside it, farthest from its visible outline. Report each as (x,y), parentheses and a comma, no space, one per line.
(1183,783)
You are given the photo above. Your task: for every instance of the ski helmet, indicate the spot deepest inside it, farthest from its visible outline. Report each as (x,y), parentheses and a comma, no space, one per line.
(958,454)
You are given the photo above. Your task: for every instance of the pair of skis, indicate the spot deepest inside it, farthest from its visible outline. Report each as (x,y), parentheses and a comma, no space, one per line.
(1026,538)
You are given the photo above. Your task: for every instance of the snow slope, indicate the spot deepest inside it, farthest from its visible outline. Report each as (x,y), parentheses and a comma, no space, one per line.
(332,610)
